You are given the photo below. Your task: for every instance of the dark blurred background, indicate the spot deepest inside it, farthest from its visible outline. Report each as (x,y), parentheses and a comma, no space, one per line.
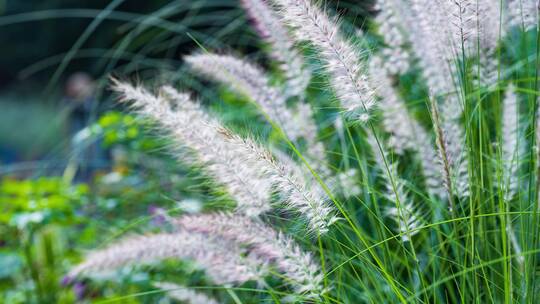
(56,54)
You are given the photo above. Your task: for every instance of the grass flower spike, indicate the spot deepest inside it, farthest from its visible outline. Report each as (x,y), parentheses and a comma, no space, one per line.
(225,157)
(223,262)
(266,243)
(396,56)
(247,170)
(271,29)
(523,14)
(511,143)
(402,211)
(347,72)
(248,80)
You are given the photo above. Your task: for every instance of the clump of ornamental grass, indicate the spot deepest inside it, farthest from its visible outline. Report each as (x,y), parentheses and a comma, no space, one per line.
(438,198)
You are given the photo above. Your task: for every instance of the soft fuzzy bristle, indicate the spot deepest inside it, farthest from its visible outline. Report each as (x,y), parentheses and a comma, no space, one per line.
(511,144)
(248,170)
(191,126)
(402,211)
(343,60)
(263,241)
(223,262)
(271,29)
(523,14)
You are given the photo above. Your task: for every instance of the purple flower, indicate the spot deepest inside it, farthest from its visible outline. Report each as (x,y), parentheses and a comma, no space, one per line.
(159,215)
(79,289)
(67,280)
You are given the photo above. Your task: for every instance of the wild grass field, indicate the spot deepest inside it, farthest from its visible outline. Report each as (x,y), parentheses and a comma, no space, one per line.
(284,151)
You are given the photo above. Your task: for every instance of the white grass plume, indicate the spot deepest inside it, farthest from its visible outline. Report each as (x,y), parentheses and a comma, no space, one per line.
(408,219)
(184,294)
(490,31)
(299,121)
(248,80)
(455,145)
(441,32)
(468,24)
(512,150)
(426,22)
(434,42)
(462,16)
(272,246)
(489,19)
(223,262)
(388,174)
(288,162)
(523,14)
(252,82)
(300,193)
(395,54)
(304,122)
(428,30)
(347,72)
(403,211)
(405,132)
(247,170)
(272,30)
(428,35)
(227,160)
(510,142)
(430,163)
(253,161)
(310,199)
(395,118)
(344,182)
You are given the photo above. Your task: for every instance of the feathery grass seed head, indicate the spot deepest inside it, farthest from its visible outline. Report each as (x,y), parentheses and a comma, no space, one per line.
(347,72)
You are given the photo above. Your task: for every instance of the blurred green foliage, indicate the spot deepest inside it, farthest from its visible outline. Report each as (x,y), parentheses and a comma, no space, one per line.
(44,221)
(30,201)
(33,216)
(118,128)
